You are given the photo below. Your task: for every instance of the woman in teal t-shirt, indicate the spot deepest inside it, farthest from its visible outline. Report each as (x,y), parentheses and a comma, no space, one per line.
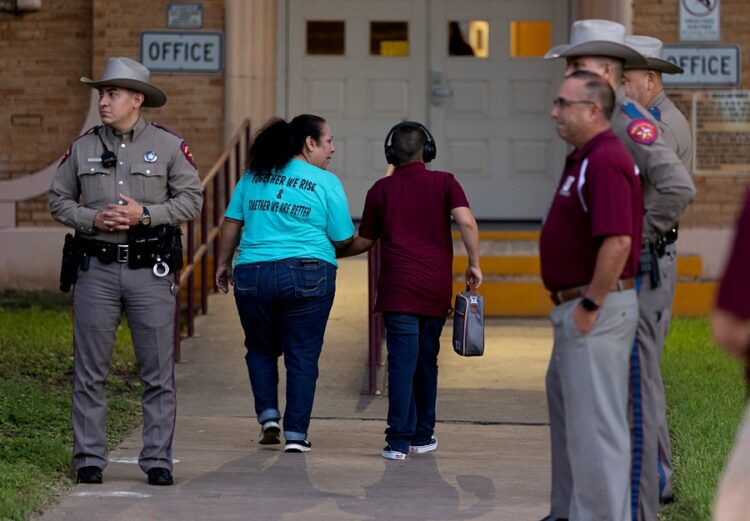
(288,215)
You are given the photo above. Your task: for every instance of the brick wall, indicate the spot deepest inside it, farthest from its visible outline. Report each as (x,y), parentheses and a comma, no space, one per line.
(43,54)
(719,196)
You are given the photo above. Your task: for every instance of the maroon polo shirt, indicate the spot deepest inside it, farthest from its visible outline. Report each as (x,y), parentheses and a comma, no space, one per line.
(410,212)
(734,291)
(599,195)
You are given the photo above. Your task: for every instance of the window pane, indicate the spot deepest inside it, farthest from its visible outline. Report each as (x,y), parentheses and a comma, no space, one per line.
(470,38)
(325,37)
(389,38)
(530,39)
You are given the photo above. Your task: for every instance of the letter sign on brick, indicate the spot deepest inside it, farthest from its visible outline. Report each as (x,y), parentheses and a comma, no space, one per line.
(182,52)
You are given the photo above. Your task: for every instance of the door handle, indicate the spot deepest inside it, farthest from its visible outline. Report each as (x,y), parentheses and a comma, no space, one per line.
(439,89)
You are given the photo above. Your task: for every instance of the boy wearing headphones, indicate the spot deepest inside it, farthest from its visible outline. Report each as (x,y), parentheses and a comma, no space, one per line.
(410,212)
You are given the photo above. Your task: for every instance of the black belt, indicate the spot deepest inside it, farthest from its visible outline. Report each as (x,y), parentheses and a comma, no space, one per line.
(106,252)
(565,295)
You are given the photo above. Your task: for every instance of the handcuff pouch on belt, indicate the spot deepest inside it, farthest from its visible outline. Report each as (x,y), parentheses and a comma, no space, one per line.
(156,247)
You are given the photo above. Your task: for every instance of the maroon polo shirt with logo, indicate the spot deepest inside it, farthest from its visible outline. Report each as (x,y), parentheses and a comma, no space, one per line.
(734,291)
(410,212)
(599,195)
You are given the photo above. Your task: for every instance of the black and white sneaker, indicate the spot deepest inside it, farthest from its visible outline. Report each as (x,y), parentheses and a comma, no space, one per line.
(427,447)
(269,433)
(389,452)
(297,446)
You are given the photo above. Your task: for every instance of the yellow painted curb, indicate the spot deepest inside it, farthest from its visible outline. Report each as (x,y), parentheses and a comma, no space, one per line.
(528,265)
(530,298)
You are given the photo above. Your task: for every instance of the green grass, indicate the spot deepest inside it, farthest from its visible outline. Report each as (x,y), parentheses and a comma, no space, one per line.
(36,372)
(705,401)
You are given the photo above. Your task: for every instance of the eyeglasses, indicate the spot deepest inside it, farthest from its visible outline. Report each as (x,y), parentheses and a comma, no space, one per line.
(563,103)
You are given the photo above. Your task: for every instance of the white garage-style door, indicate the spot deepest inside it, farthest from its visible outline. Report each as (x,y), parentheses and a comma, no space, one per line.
(471,70)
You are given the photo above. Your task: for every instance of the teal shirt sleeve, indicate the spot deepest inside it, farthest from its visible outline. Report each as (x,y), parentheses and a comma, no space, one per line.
(339,226)
(236,207)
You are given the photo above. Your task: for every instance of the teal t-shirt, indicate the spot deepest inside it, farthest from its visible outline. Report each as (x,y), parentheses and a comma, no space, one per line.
(296,212)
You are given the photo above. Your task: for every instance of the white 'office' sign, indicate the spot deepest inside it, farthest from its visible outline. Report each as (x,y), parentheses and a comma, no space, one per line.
(164,51)
(705,65)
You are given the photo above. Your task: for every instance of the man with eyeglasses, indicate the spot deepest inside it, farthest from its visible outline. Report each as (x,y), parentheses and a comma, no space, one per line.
(589,249)
(598,46)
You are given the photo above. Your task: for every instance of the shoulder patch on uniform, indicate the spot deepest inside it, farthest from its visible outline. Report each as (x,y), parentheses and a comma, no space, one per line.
(188,155)
(642,131)
(165,129)
(631,110)
(66,155)
(70,148)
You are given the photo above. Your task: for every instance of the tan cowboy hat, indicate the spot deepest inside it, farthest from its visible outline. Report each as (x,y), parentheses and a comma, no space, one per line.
(653,50)
(129,74)
(597,38)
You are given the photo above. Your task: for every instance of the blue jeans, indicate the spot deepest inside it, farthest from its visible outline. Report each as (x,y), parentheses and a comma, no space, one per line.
(413,345)
(284,307)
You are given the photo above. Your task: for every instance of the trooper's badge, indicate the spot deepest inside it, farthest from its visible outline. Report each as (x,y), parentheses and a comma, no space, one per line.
(642,131)
(150,156)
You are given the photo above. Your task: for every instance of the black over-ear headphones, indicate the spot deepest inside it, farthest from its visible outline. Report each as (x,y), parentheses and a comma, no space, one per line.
(429,150)
(109,159)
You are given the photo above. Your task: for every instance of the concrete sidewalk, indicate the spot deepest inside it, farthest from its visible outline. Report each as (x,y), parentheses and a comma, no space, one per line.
(492,462)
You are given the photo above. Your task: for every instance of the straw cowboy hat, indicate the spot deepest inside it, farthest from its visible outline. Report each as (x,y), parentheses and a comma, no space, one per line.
(597,38)
(129,74)
(653,50)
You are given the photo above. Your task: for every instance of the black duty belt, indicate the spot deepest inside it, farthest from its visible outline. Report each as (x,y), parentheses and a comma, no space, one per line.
(106,252)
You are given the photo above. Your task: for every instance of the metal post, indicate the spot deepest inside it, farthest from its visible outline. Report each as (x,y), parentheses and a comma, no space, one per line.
(215,223)
(191,282)
(375,323)
(204,259)
(176,340)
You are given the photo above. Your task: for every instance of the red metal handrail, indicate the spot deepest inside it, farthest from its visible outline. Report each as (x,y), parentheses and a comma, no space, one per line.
(217,189)
(376,328)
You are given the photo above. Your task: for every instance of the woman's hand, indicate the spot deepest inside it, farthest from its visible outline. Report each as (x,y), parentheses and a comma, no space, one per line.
(223,277)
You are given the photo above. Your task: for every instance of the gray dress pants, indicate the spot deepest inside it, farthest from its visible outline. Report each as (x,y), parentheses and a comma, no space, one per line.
(587,395)
(100,296)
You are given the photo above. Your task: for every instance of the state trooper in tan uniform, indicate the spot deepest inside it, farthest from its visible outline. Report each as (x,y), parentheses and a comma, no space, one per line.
(122,182)
(644,85)
(599,46)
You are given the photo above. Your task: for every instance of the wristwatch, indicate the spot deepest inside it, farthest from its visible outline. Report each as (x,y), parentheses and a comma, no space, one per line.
(588,304)
(145,217)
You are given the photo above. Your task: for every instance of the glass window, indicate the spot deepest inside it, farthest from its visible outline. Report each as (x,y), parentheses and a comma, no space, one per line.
(325,37)
(470,38)
(389,38)
(530,39)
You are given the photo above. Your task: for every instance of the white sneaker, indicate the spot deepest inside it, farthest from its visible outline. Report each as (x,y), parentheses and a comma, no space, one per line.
(389,452)
(297,446)
(421,449)
(269,433)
